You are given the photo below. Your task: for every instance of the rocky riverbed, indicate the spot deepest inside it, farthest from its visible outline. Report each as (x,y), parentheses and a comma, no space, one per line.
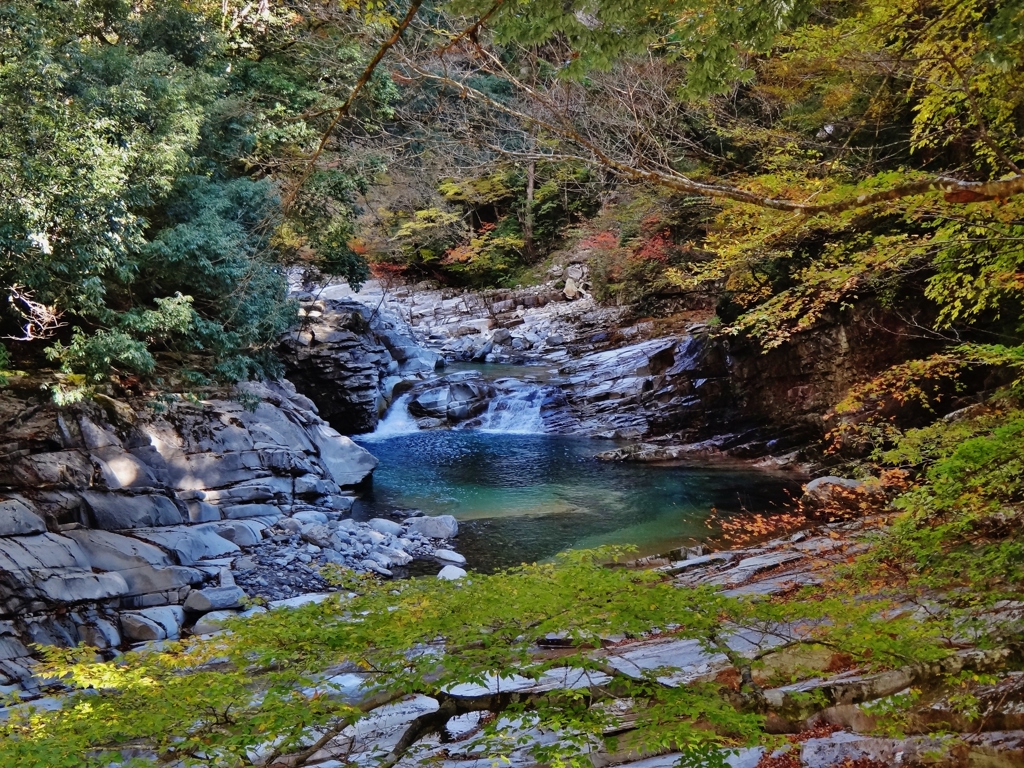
(837,730)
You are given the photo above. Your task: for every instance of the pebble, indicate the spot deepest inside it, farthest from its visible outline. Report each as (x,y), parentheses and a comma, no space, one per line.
(287,563)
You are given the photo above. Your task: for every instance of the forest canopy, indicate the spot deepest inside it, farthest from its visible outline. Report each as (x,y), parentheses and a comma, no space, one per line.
(163,162)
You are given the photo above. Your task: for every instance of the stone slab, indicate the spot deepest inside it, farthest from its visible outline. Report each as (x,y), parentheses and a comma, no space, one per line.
(348,464)
(189,544)
(114,511)
(17,518)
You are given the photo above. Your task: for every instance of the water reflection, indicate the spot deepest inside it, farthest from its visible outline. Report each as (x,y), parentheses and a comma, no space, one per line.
(523,498)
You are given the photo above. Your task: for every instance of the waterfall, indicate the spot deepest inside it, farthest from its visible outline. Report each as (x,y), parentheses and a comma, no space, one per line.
(516,412)
(396,421)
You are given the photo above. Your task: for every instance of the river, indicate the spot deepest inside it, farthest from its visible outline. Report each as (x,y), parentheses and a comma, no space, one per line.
(522,495)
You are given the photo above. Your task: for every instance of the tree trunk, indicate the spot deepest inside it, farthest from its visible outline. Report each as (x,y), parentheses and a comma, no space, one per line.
(528,245)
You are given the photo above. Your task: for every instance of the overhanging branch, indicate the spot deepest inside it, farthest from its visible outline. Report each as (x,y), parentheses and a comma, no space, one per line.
(955,190)
(344,109)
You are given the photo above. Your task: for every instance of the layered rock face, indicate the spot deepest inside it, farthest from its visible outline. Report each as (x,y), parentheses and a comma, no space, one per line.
(646,387)
(621,380)
(349,357)
(112,520)
(699,387)
(535,324)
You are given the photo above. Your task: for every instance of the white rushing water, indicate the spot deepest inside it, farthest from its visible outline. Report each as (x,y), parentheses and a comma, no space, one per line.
(397,421)
(515,413)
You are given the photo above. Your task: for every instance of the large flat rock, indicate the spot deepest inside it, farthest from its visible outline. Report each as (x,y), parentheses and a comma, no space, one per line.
(189,544)
(348,464)
(115,512)
(18,519)
(144,567)
(50,569)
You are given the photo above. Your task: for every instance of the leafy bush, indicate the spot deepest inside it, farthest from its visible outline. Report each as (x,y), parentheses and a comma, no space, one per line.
(141,163)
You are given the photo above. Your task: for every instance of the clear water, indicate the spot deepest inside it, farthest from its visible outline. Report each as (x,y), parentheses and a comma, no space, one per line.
(524,498)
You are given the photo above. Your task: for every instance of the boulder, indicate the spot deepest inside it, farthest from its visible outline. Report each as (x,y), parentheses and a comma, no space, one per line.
(571,289)
(309,485)
(395,557)
(189,544)
(439,527)
(385,526)
(244,533)
(50,569)
(451,573)
(18,519)
(244,493)
(310,516)
(453,399)
(141,628)
(842,492)
(114,511)
(448,556)
(162,623)
(214,599)
(212,622)
(95,436)
(41,552)
(347,463)
(431,403)
(100,633)
(318,534)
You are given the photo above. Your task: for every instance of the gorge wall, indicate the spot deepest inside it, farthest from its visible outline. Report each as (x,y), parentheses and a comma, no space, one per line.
(617,376)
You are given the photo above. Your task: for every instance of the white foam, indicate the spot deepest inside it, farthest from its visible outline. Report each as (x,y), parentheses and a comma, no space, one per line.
(397,421)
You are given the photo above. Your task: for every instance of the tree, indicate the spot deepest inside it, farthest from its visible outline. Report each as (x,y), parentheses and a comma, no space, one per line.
(267,691)
(162,255)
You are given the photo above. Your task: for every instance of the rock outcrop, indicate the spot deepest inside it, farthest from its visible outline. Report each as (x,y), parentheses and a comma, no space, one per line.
(121,525)
(349,358)
(521,325)
(694,391)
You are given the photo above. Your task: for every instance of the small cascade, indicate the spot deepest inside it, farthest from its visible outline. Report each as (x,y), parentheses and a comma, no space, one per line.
(517,412)
(397,421)
(509,406)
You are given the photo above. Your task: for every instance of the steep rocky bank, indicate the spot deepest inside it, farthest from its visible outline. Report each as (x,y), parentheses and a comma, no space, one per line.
(126,522)
(617,376)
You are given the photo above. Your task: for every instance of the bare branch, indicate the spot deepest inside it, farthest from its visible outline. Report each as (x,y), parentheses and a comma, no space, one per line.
(955,190)
(343,110)
(41,321)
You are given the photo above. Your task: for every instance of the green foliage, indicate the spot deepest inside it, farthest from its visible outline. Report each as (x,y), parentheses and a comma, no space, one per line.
(266,684)
(472,230)
(5,360)
(142,152)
